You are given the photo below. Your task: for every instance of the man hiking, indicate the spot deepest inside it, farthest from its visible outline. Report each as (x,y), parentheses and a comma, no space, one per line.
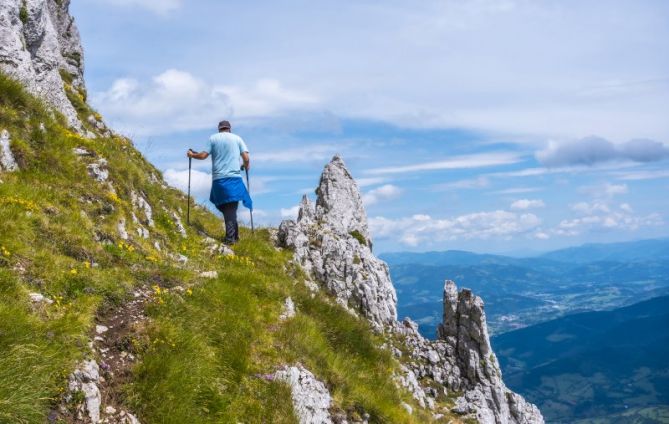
(227,187)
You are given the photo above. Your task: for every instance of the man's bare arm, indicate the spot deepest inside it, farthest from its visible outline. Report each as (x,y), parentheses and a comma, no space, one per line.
(247,160)
(196,155)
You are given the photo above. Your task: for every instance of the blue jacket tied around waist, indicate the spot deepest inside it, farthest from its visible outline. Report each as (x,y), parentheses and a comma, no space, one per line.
(227,190)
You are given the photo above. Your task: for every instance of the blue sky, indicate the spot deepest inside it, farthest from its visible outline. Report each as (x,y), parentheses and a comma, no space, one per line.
(487,125)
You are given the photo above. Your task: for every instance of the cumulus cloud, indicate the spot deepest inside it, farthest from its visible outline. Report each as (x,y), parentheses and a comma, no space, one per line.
(600,216)
(592,150)
(385,192)
(176,100)
(290,213)
(419,229)
(200,184)
(523,204)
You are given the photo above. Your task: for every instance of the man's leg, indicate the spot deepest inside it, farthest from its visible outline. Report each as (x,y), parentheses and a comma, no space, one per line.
(229,211)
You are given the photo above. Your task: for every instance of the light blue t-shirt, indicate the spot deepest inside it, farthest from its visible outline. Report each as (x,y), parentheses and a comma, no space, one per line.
(225,150)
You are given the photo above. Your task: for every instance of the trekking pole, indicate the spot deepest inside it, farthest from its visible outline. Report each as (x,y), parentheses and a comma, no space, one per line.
(190,162)
(248,186)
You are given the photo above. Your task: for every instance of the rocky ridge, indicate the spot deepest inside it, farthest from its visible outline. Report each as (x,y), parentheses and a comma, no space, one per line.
(40,46)
(332,244)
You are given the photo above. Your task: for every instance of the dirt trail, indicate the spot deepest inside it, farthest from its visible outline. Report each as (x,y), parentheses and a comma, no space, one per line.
(114,344)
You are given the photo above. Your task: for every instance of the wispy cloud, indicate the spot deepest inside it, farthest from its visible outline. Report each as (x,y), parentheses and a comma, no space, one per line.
(385,192)
(472,183)
(160,7)
(517,190)
(524,204)
(642,175)
(309,153)
(605,190)
(457,162)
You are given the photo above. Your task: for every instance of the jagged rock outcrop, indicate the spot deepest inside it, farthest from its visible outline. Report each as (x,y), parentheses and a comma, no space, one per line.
(311,399)
(462,361)
(331,242)
(38,40)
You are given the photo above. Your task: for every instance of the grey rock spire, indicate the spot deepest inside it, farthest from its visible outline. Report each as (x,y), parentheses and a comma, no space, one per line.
(38,41)
(331,242)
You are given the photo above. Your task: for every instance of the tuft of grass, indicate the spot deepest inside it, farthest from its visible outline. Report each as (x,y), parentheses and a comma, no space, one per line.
(358,236)
(23,13)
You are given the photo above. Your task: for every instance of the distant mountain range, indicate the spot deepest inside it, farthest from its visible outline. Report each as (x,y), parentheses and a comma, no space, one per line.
(607,366)
(523,291)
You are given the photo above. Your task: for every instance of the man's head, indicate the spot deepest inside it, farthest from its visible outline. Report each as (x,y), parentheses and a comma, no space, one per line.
(224,126)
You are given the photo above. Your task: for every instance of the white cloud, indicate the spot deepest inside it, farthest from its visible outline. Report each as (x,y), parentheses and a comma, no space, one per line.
(369,181)
(540,235)
(642,175)
(266,97)
(517,190)
(156,6)
(524,204)
(604,191)
(457,162)
(308,153)
(200,182)
(599,216)
(290,213)
(472,183)
(176,100)
(481,225)
(591,150)
(385,192)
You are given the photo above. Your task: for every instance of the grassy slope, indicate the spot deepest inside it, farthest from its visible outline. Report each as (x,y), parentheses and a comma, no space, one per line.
(203,348)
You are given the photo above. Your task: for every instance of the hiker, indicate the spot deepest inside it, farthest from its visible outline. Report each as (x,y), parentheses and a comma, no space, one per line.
(227,187)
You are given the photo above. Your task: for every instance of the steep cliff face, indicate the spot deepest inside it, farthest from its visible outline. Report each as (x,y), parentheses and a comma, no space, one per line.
(40,46)
(331,242)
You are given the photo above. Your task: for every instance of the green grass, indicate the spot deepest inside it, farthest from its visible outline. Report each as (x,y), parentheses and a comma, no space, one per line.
(204,347)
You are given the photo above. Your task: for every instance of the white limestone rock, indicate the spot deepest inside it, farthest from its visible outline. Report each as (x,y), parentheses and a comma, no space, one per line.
(122,231)
(37,50)
(311,399)
(98,170)
(140,203)
(209,274)
(332,244)
(85,379)
(80,151)
(288,310)
(180,226)
(39,298)
(7,161)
